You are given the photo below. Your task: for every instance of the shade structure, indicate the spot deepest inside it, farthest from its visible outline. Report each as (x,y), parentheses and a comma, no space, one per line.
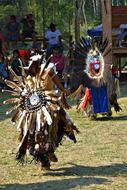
(95,31)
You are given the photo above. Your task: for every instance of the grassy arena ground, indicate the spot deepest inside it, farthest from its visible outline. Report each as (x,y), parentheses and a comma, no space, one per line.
(97,162)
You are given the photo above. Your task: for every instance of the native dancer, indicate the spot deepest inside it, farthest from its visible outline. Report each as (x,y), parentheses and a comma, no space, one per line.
(40,116)
(100,93)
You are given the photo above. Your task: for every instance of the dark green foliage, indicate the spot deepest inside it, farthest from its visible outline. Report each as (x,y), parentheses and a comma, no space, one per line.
(62,12)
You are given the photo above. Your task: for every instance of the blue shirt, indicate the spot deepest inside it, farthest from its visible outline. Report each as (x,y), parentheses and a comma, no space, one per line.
(3,72)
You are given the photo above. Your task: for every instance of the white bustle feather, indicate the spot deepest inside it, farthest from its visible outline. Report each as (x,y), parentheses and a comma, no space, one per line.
(47,115)
(38,118)
(26,125)
(59,98)
(34,58)
(21,119)
(58,108)
(24,92)
(37,146)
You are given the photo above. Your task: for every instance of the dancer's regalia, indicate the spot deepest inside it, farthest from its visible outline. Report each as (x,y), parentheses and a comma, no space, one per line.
(39,112)
(94,74)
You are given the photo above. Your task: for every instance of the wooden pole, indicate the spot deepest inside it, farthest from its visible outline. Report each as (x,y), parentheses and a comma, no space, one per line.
(107,26)
(77,23)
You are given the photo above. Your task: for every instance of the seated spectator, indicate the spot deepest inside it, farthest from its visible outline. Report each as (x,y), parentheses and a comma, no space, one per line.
(28,28)
(13,30)
(53,39)
(3,71)
(59,60)
(15,63)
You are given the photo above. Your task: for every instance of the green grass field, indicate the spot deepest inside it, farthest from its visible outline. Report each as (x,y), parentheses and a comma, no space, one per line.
(97,162)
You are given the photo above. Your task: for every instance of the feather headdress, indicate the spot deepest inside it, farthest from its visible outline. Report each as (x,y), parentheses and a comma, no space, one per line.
(89,62)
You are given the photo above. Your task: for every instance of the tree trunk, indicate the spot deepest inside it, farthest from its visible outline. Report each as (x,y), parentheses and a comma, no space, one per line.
(77,23)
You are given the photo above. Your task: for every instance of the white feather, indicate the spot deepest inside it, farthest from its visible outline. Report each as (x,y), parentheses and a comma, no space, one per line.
(20,121)
(37,146)
(47,115)
(33,58)
(26,125)
(38,125)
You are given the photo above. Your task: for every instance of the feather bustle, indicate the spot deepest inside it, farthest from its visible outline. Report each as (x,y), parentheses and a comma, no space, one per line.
(16,116)
(13,85)
(12,100)
(21,120)
(12,109)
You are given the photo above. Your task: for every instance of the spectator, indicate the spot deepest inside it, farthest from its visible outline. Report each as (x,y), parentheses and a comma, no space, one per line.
(29,28)
(13,30)
(15,63)
(53,38)
(59,60)
(3,71)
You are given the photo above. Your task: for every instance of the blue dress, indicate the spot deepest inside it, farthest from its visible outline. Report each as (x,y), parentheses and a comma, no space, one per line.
(100,99)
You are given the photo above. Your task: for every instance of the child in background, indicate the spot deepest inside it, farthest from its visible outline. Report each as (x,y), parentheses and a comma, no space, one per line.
(59,60)
(15,63)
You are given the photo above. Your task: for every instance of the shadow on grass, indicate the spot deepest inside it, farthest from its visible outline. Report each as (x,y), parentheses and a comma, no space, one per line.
(122,118)
(115,118)
(64,184)
(79,170)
